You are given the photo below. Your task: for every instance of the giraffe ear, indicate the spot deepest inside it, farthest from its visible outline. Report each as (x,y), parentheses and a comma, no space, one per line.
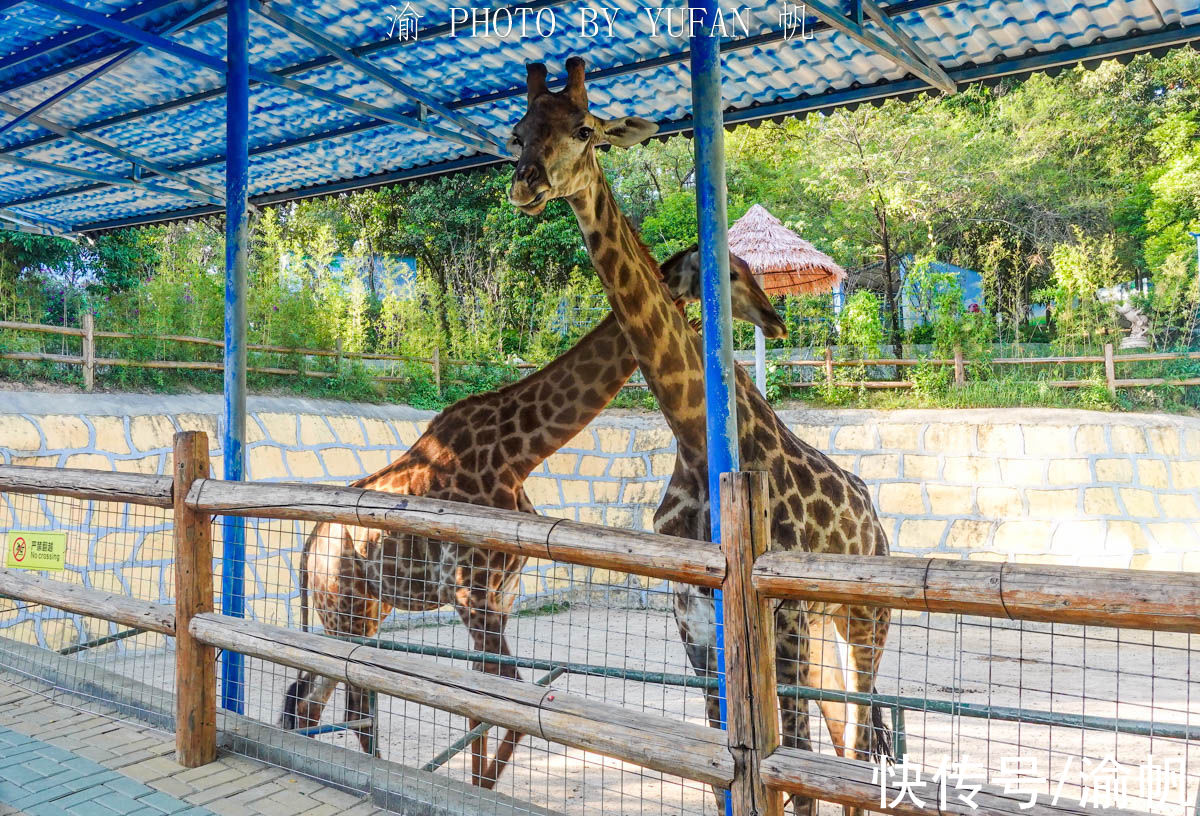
(627,131)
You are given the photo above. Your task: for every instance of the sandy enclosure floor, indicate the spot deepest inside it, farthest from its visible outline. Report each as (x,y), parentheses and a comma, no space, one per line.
(1067,670)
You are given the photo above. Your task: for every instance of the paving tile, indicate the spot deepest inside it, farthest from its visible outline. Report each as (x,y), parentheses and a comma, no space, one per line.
(172,787)
(127,786)
(162,802)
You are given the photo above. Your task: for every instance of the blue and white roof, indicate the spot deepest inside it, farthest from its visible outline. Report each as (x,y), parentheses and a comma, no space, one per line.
(145,140)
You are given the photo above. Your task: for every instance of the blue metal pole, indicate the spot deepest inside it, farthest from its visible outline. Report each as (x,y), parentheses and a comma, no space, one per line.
(237,172)
(714,278)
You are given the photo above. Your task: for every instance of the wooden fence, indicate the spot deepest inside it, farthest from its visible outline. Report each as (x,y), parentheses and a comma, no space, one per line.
(747,760)
(89,361)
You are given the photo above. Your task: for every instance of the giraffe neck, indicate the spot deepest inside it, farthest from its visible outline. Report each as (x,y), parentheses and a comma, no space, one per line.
(665,345)
(556,402)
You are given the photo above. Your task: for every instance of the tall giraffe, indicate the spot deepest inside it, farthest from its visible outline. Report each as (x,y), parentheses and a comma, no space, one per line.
(814,504)
(479,450)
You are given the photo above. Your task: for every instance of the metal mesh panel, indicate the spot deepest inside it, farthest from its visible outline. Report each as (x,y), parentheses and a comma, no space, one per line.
(1108,717)
(1103,715)
(124,549)
(601,635)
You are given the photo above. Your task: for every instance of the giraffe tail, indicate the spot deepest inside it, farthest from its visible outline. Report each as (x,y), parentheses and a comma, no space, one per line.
(881,735)
(304,594)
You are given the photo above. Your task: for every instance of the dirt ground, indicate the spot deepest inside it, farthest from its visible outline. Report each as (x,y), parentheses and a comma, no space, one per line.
(1067,670)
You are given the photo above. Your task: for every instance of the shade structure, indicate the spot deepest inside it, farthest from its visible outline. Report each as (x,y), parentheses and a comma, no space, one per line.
(783,262)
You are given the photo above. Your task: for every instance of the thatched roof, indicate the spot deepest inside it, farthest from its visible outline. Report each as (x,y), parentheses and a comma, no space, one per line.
(783,262)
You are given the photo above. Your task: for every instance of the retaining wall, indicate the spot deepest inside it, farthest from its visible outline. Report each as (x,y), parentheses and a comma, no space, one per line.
(1042,485)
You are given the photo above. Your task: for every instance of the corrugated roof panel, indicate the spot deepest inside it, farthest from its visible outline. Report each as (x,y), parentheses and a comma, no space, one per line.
(169,111)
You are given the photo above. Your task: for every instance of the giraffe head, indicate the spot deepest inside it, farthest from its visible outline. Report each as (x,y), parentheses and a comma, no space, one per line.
(681,274)
(555,141)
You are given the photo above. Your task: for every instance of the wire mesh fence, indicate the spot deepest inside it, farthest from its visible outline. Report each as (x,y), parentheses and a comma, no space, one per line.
(1109,717)
(122,548)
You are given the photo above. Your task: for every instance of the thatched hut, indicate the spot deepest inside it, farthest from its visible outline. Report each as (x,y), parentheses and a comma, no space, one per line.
(784,264)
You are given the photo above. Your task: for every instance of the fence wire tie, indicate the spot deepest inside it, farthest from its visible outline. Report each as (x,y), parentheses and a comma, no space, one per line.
(549,533)
(349,659)
(1003,605)
(549,692)
(925,584)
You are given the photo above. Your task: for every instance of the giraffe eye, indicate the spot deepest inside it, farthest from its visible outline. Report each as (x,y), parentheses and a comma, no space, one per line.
(584,134)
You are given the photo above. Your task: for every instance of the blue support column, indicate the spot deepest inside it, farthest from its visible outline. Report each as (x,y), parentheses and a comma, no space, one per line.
(714,276)
(237,234)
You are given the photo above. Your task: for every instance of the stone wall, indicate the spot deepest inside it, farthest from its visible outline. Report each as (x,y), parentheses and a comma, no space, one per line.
(1040,485)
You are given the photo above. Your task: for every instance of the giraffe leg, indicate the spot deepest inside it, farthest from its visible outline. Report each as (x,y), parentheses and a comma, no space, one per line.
(865,630)
(485,622)
(792,656)
(824,671)
(305,701)
(695,616)
(359,707)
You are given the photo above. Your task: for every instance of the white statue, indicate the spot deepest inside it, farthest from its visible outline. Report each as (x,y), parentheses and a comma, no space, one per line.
(1139,325)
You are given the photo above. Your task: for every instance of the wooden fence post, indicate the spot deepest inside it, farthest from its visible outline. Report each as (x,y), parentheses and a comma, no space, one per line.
(437,369)
(752,705)
(1110,369)
(829,365)
(89,351)
(960,371)
(195,663)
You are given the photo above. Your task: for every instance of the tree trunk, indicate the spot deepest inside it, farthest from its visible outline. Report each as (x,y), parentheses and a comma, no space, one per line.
(443,287)
(890,286)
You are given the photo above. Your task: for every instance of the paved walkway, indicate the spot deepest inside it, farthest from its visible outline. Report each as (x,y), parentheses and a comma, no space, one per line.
(56,760)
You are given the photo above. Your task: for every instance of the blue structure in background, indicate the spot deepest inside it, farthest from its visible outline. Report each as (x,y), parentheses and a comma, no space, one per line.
(970,281)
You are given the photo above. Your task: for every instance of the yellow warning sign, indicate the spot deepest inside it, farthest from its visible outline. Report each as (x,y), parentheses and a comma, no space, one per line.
(36,551)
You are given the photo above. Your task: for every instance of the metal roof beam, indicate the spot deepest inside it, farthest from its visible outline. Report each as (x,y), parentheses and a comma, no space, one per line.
(29,223)
(377,46)
(801,105)
(839,22)
(770,37)
(66,38)
(102,178)
(903,39)
(342,54)
(99,71)
(216,64)
(205,191)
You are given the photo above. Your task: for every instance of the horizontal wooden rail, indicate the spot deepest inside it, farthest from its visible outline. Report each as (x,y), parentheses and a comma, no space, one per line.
(656,556)
(81,600)
(41,357)
(100,485)
(873,384)
(41,328)
(437,362)
(850,782)
(1096,596)
(684,749)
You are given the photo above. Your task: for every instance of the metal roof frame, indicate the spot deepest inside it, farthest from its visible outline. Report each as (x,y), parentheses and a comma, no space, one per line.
(216,64)
(990,72)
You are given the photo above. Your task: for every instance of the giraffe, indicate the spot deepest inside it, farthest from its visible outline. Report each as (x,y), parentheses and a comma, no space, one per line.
(814,504)
(479,450)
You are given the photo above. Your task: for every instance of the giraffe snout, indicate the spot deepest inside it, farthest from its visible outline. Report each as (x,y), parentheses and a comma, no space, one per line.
(529,188)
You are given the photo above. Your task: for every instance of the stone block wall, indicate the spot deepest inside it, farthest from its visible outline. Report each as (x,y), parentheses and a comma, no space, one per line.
(1039,485)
